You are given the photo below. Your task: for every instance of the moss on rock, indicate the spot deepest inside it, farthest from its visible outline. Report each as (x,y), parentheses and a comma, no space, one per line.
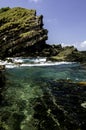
(20,29)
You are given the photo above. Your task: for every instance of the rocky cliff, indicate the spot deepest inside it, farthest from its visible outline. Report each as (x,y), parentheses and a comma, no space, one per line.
(2,82)
(21,32)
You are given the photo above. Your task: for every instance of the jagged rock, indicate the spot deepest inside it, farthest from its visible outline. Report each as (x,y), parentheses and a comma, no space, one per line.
(21,32)
(69,53)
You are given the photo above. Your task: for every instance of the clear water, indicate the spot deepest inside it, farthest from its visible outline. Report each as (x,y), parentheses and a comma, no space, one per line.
(25,86)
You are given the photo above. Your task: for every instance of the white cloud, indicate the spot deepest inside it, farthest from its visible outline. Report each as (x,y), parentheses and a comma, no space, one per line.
(79,45)
(83,45)
(65,44)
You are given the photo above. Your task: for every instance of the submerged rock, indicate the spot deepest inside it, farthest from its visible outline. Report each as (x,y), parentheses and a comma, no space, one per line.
(46,104)
(61,107)
(82,83)
(83,104)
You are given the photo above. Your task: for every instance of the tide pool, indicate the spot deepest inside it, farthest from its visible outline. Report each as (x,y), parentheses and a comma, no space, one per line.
(44,97)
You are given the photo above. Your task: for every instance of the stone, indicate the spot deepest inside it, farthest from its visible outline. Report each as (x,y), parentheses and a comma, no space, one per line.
(21,33)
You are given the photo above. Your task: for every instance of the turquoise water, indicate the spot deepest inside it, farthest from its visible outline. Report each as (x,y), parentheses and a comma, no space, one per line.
(31,92)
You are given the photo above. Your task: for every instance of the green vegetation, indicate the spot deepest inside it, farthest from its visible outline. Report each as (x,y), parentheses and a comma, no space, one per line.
(16,14)
(20,26)
(4,9)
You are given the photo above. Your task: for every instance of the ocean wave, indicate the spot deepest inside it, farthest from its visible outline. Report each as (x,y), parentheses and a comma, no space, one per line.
(22,62)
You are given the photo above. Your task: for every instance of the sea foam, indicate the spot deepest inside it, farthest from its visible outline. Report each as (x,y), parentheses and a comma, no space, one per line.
(22,62)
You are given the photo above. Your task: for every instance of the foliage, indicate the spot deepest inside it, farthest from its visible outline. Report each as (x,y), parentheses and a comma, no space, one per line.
(4,9)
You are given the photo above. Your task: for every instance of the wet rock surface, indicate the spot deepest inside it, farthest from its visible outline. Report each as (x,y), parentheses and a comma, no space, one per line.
(61,107)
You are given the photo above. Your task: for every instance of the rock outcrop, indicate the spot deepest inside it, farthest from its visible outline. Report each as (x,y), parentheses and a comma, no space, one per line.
(69,53)
(62,108)
(21,32)
(2,81)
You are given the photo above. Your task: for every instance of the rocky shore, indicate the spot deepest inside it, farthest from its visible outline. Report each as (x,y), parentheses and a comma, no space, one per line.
(2,81)
(22,34)
(63,103)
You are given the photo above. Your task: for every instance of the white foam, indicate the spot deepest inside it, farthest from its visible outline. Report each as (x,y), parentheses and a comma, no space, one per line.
(46,64)
(11,66)
(24,60)
(20,62)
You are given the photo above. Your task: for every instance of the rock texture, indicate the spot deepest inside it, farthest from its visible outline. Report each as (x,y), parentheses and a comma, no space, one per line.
(21,32)
(62,107)
(69,53)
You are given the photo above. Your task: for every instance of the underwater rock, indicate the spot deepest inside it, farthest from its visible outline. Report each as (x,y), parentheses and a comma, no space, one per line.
(83,104)
(82,83)
(60,107)
(2,67)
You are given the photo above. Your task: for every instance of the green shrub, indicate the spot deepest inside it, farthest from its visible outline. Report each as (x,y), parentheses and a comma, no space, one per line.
(4,9)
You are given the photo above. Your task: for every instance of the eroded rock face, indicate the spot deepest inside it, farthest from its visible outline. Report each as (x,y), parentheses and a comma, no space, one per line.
(21,32)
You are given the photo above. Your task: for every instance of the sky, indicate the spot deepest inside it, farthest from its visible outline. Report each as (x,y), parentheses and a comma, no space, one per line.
(65,20)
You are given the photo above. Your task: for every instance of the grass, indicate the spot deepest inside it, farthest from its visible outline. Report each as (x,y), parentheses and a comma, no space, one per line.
(16,16)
